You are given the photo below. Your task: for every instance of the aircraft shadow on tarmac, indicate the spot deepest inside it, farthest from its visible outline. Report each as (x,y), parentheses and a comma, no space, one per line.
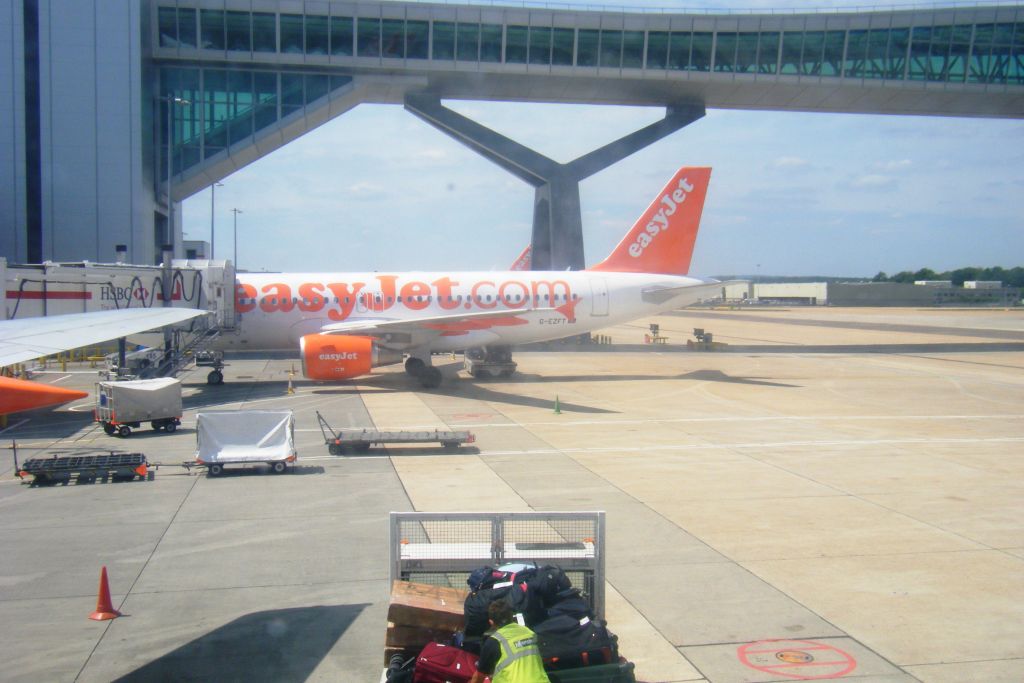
(413,452)
(273,645)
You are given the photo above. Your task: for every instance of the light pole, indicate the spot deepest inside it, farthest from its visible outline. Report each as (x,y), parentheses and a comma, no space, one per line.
(171,101)
(213,191)
(236,212)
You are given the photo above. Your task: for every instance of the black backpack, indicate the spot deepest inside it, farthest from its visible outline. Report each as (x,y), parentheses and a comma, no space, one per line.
(548,582)
(568,643)
(571,603)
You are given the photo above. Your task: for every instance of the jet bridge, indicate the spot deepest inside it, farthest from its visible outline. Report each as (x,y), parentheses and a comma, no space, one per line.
(34,290)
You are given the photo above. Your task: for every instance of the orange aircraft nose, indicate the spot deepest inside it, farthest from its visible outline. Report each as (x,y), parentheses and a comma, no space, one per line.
(18,394)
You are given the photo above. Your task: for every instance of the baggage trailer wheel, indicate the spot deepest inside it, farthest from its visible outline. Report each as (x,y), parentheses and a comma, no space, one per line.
(216,469)
(215,377)
(156,425)
(124,430)
(109,428)
(170,426)
(279,466)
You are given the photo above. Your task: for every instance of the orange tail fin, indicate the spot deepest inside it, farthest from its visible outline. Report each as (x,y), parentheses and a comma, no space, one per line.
(662,240)
(524,260)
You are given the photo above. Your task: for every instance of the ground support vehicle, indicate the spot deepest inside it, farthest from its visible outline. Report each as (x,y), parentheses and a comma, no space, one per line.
(490,362)
(360,440)
(226,437)
(112,465)
(123,406)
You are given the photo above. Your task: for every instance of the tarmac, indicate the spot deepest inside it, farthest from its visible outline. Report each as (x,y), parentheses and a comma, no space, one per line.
(835,494)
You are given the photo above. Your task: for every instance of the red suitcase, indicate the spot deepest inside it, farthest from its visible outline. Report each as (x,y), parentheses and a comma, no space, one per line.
(439,663)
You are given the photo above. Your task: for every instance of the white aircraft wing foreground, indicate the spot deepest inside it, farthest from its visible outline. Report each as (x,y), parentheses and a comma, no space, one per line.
(29,338)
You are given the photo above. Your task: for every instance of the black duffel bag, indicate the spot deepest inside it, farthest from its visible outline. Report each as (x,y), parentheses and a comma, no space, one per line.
(567,643)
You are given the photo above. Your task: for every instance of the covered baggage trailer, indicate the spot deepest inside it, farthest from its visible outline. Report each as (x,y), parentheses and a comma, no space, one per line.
(123,406)
(225,437)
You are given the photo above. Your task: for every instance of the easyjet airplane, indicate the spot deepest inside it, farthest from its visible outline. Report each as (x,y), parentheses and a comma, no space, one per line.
(345,324)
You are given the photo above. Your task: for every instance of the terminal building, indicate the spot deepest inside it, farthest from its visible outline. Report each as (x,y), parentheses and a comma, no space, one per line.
(117,110)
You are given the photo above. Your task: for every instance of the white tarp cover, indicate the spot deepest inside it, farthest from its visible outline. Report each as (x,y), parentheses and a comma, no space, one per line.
(245,436)
(140,399)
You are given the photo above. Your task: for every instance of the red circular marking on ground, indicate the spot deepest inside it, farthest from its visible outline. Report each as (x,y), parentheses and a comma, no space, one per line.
(801,660)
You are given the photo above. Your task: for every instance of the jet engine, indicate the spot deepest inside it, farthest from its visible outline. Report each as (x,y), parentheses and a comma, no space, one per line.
(339,356)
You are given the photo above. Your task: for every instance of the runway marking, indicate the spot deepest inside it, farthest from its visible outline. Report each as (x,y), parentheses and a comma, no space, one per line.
(740,446)
(795,657)
(733,420)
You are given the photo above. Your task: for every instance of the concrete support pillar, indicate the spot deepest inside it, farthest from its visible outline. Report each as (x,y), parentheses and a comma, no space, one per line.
(557,219)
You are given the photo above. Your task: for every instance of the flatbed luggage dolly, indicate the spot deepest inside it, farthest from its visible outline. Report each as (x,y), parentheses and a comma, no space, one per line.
(360,440)
(111,465)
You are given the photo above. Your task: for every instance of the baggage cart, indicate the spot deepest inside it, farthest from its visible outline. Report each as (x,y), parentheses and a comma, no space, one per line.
(88,466)
(360,440)
(226,437)
(123,406)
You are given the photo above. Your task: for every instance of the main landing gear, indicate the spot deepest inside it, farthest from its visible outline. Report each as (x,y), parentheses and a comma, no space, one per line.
(429,376)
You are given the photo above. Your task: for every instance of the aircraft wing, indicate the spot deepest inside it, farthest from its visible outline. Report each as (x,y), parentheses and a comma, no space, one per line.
(706,289)
(29,338)
(413,332)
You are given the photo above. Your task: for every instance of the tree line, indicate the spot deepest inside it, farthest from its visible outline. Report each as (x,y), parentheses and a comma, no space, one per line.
(1010,277)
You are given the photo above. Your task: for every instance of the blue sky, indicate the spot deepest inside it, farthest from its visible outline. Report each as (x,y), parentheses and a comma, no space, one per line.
(791,193)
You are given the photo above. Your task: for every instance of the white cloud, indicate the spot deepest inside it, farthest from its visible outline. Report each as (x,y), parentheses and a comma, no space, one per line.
(872,180)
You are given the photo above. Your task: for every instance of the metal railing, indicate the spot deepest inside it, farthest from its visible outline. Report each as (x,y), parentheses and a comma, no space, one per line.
(443,548)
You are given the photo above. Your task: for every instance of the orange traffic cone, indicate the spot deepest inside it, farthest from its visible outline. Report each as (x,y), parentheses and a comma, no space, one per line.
(104,610)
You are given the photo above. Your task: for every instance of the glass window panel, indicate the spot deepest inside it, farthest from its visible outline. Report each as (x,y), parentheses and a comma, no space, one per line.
(239,36)
(919,59)
(265,86)
(212,21)
(999,66)
(877,47)
(167,22)
(792,43)
(291,92)
(899,41)
(983,34)
(962,34)
(342,35)
(316,34)
(587,41)
(515,44)
(923,33)
(832,56)
(977,70)
(467,42)
(444,40)
(291,34)
(368,37)
(768,53)
(746,53)
(814,45)
(700,52)
(186,27)
(392,33)
(562,42)
(540,45)
(240,127)
(856,49)
(264,32)
(417,39)
(611,49)
(1003,34)
(490,42)
(633,49)
(938,63)
(316,87)
(657,49)
(725,52)
(240,88)
(339,81)
(957,71)
(942,34)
